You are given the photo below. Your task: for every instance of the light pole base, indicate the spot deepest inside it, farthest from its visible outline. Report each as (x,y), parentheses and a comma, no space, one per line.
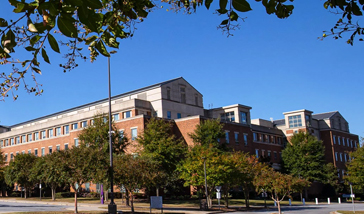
(112,209)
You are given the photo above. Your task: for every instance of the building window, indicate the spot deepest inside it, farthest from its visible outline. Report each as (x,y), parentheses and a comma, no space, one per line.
(76,142)
(179,115)
(17,140)
(58,147)
(294,121)
(43,152)
(343,141)
(58,131)
(257,153)
(49,150)
(83,124)
(43,134)
(351,143)
(12,141)
(341,157)
(66,146)
(275,155)
(30,138)
(11,156)
(345,157)
(127,114)
(36,152)
(6,142)
(228,116)
(196,100)
(236,136)
(227,137)
(308,120)
(267,138)
(255,136)
(29,151)
(280,156)
(279,140)
(336,156)
(134,133)
(347,142)
(243,117)
(168,93)
(87,186)
(23,152)
(116,117)
(338,140)
(183,94)
(334,139)
(23,139)
(1,143)
(6,157)
(74,126)
(66,129)
(50,132)
(36,135)
(17,153)
(168,115)
(269,154)
(245,139)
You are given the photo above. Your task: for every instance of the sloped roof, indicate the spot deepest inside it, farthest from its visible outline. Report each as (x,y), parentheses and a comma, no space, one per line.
(101,101)
(266,129)
(322,116)
(279,122)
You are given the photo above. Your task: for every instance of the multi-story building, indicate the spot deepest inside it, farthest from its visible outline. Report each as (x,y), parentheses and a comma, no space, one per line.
(180,102)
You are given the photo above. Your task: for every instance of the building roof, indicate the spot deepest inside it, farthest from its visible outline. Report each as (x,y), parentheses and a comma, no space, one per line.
(266,129)
(100,101)
(279,122)
(322,116)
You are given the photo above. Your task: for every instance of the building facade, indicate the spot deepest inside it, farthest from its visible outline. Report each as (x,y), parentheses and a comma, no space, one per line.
(178,101)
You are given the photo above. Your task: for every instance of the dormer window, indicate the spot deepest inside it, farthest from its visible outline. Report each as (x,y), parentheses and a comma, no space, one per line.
(308,120)
(243,117)
(294,121)
(228,116)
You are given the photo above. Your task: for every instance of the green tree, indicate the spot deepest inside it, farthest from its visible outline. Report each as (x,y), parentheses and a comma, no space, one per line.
(160,145)
(304,157)
(134,173)
(79,165)
(355,169)
(278,185)
(209,132)
(19,171)
(98,24)
(51,170)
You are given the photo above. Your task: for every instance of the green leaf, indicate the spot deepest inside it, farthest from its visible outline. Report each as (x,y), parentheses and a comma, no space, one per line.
(223,4)
(241,5)
(37,70)
(67,27)
(53,43)
(19,7)
(93,4)
(91,39)
(73,2)
(34,39)
(3,22)
(208,3)
(45,56)
(234,16)
(225,22)
(102,49)
(30,48)
(89,18)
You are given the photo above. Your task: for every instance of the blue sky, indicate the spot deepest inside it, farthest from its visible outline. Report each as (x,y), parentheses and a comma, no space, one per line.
(270,64)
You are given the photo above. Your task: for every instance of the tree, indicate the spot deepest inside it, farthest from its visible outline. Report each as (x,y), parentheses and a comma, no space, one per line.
(304,157)
(97,24)
(96,136)
(355,169)
(51,170)
(209,132)
(134,173)
(79,165)
(278,185)
(19,171)
(160,145)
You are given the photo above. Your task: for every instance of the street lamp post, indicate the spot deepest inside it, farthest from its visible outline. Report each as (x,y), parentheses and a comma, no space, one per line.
(352,196)
(204,169)
(112,208)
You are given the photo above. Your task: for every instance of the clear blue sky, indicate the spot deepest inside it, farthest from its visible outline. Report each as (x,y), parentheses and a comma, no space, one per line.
(269,64)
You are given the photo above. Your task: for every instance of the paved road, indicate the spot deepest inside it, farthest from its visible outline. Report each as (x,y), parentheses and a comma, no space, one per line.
(311,209)
(7,207)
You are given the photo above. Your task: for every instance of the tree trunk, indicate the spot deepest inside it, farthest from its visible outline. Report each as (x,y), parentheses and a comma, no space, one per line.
(279,206)
(157,191)
(25,192)
(76,211)
(127,198)
(53,193)
(132,202)
(106,195)
(246,195)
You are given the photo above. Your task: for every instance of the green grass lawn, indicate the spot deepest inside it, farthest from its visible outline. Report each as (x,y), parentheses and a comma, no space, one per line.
(350,212)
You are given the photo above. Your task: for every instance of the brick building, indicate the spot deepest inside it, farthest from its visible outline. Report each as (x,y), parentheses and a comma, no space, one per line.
(180,102)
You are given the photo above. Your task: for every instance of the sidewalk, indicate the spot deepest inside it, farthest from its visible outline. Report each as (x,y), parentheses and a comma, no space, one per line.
(103,207)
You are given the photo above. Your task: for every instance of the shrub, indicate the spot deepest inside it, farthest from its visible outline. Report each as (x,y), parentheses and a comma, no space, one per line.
(65,194)
(15,194)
